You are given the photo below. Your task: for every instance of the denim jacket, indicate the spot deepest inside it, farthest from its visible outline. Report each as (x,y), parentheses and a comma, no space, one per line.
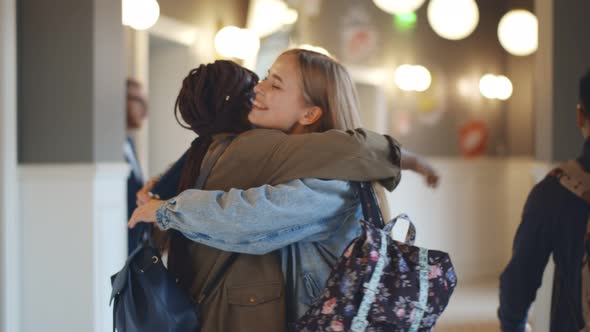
(313,219)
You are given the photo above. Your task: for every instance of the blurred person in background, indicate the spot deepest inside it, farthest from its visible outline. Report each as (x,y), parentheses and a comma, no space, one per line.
(554,221)
(136,110)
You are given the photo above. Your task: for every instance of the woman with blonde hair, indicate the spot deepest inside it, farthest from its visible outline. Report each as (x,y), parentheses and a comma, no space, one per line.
(309,220)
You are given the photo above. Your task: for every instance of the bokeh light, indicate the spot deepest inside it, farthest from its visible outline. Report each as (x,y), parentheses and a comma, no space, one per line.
(140,14)
(453,19)
(518,32)
(405,21)
(270,16)
(318,49)
(398,6)
(412,78)
(495,87)
(233,42)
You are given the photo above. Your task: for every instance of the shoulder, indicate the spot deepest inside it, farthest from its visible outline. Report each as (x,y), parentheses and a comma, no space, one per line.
(259,139)
(550,197)
(261,133)
(547,191)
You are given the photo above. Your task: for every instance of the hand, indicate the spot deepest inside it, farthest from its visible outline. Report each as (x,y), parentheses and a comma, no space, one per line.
(145,213)
(427,171)
(528,328)
(144,195)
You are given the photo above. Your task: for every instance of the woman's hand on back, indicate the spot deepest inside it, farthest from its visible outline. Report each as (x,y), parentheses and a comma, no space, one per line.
(145,213)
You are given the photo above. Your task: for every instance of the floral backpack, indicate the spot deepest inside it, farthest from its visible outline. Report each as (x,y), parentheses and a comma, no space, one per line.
(572,176)
(380,284)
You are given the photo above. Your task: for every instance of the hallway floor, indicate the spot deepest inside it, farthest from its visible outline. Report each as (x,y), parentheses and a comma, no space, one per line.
(471,309)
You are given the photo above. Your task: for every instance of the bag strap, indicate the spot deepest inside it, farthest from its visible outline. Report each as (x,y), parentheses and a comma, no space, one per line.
(211,158)
(215,151)
(572,176)
(360,322)
(369,203)
(290,290)
(371,214)
(218,276)
(208,163)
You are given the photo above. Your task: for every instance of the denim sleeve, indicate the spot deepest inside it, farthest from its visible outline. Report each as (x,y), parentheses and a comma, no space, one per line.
(260,220)
(531,249)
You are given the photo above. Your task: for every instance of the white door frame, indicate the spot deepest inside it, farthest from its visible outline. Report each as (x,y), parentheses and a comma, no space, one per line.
(10,268)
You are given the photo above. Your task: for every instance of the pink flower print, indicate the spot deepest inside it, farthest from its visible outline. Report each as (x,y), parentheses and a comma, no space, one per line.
(400,313)
(374,256)
(434,272)
(336,326)
(328,307)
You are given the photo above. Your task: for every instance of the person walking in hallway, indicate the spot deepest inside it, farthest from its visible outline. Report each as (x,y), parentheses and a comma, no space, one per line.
(554,221)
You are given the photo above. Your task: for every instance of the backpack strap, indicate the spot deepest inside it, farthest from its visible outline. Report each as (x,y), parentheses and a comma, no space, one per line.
(215,152)
(369,203)
(572,176)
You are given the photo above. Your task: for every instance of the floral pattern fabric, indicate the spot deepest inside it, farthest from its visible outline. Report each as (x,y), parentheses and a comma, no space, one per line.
(397,298)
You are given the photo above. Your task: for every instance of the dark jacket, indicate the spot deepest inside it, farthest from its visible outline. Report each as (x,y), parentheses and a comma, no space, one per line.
(554,222)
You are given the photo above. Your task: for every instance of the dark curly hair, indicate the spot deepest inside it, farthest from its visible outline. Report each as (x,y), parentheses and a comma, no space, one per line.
(214,98)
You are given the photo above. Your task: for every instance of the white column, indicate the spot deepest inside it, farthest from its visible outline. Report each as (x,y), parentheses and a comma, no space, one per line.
(75,240)
(139,69)
(10,233)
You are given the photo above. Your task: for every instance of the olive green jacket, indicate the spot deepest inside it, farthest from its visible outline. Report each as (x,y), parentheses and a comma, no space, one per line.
(251,295)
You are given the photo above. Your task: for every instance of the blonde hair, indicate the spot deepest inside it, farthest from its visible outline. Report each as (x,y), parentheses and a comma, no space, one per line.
(328,85)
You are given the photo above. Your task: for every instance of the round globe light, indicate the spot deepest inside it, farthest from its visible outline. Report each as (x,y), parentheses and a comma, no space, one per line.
(403,77)
(317,49)
(487,86)
(422,79)
(140,14)
(504,87)
(270,15)
(398,6)
(495,87)
(453,19)
(290,16)
(233,42)
(249,44)
(518,32)
(412,78)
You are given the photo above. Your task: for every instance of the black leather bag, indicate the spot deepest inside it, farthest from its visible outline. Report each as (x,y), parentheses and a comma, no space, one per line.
(145,295)
(147,299)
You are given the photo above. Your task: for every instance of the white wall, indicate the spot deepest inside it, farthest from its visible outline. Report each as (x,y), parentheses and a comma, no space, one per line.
(169,63)
(9,225)
(474,213)
(73,239)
